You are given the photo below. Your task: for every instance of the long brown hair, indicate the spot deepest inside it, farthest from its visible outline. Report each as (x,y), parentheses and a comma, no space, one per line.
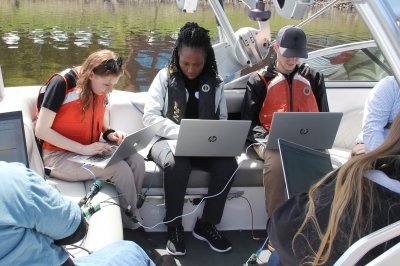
(352,193)
(103,63)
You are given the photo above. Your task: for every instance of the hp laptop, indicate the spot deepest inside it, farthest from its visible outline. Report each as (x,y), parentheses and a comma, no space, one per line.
(302,166)
(316,130)
(131,144)
(210,138)
(12,138)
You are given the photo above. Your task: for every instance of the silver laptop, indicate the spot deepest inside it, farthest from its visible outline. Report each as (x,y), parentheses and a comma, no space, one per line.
(12,138)
(316,130)
(131,144)
(210,138)
(302,166)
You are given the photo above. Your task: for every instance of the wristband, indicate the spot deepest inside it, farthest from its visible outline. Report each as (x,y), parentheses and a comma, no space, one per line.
(105,134)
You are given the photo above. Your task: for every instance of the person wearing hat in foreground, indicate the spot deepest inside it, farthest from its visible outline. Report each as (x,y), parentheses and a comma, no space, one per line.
(283,86)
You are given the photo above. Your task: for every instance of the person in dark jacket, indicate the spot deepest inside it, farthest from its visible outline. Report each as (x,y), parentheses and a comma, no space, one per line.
(283,86)
(360,197)
(190,87)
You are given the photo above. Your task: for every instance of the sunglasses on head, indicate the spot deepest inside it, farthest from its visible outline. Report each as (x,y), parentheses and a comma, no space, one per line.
(113,64)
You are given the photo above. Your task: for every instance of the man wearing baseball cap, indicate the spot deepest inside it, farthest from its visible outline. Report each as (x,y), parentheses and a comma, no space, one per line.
(283,86)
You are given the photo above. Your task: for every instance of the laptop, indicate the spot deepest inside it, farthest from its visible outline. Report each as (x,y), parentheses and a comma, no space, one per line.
(210,138)
(302,166)
(131,144)
(12,138)
(316,130)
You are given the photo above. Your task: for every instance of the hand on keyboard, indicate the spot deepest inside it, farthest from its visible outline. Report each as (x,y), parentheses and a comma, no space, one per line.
(101,157)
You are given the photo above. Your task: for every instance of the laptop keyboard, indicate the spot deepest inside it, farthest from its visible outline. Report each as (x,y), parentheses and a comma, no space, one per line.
(102,157)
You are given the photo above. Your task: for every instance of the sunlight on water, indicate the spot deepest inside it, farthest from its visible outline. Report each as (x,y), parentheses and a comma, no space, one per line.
(40,37)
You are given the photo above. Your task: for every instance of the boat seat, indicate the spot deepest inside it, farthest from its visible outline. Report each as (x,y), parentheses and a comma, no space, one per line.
(126,114)
(350,127)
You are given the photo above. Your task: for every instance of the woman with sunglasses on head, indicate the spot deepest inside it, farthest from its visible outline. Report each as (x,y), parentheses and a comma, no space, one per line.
(190,87)
(72,121)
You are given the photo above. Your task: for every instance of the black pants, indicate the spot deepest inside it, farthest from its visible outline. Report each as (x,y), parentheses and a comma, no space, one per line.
(176,177)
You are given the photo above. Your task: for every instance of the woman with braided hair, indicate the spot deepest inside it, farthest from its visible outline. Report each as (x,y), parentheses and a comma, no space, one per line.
(191,88)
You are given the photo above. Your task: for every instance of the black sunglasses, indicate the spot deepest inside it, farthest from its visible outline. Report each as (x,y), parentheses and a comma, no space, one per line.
(113,64)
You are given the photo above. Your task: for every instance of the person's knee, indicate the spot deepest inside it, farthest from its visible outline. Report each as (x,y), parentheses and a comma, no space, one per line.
(138,161)
(162,155)
(123,169)
(129,247)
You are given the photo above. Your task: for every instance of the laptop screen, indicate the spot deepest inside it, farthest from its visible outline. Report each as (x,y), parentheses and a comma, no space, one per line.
(12,138)
(302,166)
(316,130)
(211,138)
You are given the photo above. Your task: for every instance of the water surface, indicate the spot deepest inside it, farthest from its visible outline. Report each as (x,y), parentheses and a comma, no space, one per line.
(40,37)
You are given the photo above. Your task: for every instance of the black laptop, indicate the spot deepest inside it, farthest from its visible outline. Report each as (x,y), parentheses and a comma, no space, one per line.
(12,138)
(302,166)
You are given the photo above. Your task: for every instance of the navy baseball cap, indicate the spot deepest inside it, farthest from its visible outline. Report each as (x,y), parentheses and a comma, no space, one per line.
(292,42)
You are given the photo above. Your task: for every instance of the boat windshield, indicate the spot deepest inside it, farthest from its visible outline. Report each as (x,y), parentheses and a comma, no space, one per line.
(354,62)
(382,19)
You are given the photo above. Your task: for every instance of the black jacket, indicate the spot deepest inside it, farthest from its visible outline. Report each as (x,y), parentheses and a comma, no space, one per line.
(287,219)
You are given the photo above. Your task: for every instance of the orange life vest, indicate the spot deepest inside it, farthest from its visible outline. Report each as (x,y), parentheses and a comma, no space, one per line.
(283,98)
(71,122)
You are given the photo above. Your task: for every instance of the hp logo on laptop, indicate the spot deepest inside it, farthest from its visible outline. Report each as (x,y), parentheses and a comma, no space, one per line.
(304,131)
(212,138)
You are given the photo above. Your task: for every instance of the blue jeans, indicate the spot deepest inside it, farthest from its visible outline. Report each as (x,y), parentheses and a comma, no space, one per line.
(273,259)
(119,253)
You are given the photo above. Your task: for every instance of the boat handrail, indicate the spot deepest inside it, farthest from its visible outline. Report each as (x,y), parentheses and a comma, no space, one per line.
(341,48)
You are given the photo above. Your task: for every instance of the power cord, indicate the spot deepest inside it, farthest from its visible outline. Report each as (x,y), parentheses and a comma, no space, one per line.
(88,212)
(202,199)
(142,197)
(252,260)
(73,246)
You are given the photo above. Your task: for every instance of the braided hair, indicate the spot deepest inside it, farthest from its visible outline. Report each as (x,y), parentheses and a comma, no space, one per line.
(193,36)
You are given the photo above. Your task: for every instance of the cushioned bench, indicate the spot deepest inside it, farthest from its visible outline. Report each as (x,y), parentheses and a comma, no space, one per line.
(126,114)
(245,207)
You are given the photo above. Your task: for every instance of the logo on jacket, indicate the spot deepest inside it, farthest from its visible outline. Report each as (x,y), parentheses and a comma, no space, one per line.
(307,91)
(205,88)
(212,138)
(105,101)
(304,131)
(176,111)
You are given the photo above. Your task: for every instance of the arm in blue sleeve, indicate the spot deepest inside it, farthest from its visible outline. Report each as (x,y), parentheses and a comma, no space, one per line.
(52,214)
